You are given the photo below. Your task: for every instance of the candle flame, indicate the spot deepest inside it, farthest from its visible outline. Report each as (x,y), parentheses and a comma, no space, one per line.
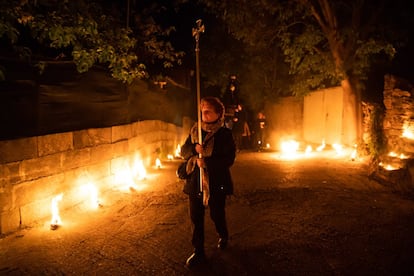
(178,151)
(56,220)
(126,176)
(138,169)
(338,148)
(289,148)
(91,191)
(158,164)
(322,146)
(408,130)
(308,149)
(388,167)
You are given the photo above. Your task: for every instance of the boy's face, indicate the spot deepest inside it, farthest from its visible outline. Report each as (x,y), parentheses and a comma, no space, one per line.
(208,113)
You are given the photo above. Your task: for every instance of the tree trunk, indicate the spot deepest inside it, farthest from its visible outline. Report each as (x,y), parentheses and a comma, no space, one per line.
(352,114)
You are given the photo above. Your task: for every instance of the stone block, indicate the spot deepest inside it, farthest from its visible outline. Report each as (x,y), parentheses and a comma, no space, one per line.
(55,143)
(9,221)
(11,173)
(40,167)
(102,153)
(92,137)
(122,132)
(136,143)
(18,149)
(6,202)
(75,158)
(45,187)
(120,148)
(137,128)
(39,211)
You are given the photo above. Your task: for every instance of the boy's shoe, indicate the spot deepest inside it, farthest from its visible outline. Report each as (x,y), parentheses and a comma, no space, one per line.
(195,259)
(222,243)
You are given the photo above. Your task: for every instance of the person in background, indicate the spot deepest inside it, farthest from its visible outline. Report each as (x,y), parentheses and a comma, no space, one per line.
(218,154)
(260,131)
(241,130)
(231,101)
(245,136)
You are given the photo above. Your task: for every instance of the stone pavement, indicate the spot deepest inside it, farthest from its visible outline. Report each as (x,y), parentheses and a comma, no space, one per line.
(315,217)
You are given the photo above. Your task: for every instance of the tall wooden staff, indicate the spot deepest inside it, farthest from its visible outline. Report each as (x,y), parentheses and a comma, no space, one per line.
(196,33)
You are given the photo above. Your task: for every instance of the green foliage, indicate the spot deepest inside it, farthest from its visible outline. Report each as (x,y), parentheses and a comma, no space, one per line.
(86,32)
(377,142)
(247,48)
(323,42)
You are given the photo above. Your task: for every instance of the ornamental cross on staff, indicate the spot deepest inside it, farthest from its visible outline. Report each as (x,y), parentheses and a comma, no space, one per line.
(196,33)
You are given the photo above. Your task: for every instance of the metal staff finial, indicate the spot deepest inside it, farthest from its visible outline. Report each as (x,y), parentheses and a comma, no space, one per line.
(199,29)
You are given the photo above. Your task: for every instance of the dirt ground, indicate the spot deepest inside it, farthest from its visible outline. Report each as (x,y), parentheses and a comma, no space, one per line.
(317,216)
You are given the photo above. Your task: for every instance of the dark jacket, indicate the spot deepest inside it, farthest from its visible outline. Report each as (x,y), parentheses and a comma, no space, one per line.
(218,164)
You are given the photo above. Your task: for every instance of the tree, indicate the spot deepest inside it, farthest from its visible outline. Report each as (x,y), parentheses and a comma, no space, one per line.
(324,42)
(86,33)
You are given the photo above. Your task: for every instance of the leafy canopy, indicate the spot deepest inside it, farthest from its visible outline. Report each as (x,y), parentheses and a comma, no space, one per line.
(322,41)
(87,33)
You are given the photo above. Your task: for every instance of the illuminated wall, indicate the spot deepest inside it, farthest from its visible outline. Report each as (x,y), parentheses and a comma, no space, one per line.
(322,116)
(315,118)
(33,170)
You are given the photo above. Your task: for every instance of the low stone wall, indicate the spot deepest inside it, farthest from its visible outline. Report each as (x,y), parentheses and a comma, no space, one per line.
(34,170)
(396,166)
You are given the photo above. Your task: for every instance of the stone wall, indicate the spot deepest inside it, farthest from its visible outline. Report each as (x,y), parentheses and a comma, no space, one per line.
(33,170)
(395,166)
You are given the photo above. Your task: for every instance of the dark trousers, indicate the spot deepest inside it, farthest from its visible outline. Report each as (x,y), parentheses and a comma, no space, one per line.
(216,205)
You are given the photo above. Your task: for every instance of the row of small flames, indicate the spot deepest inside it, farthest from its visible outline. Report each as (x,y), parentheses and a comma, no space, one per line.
(127,178)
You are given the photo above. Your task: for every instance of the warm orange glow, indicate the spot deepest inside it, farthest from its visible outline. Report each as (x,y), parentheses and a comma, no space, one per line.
(90,191)
(321,147)
(126,177)
(408,130)
(338,148)
(56,220)
(392,154)
(158,164)
(289,148)
(401,156)
(170,157)
(138,169)
(178,151)
(354,154)
(388,167)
